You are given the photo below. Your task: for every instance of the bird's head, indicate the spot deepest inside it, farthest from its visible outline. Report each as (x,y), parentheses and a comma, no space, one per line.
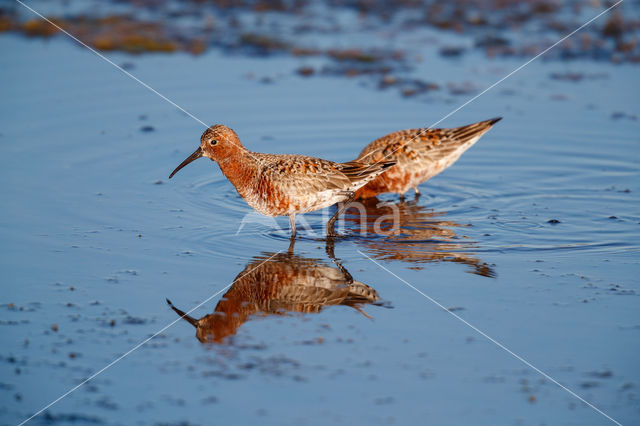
(217,143)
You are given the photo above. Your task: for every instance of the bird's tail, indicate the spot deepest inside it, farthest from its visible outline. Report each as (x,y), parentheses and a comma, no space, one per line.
(464,134)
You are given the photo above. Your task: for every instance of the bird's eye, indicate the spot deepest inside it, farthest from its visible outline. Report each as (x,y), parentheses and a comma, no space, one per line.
(213,142)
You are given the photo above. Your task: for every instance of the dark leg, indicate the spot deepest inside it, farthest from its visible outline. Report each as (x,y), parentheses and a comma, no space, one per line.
(343,206)
(292,220)
(329,248)
(417,192)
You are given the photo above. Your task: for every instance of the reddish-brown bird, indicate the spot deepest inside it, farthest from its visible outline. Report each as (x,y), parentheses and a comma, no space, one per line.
(282,184)
(419,154)
(276,284)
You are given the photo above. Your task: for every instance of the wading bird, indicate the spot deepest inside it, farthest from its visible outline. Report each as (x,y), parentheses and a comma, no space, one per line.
(419,154)
(284,184)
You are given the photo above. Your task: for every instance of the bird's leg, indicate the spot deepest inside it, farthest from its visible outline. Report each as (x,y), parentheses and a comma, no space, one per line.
(417,191)
(292,220)
(292,243)
(329,248)
(343,206)
(347,276)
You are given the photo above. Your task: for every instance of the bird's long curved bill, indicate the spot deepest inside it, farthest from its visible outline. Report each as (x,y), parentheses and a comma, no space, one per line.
(197,154)
(191,320)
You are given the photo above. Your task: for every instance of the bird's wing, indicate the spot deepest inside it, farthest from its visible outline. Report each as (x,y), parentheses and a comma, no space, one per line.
(297,174)
(409,145)
(302,174)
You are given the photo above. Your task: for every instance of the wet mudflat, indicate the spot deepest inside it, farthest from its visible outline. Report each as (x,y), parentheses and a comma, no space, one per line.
(532,237)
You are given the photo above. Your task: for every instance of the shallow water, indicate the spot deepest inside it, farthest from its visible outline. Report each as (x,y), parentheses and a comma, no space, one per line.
(95,238)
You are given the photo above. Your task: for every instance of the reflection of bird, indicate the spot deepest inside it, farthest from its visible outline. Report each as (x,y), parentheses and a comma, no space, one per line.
(419,155)
(275,285)
(279,184)
(409,232)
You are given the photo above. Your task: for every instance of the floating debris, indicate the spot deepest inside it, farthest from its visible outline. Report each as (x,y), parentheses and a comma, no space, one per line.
(305,71)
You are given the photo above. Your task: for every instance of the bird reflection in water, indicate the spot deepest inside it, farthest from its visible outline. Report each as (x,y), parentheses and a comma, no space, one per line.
(278,284)
(411,233)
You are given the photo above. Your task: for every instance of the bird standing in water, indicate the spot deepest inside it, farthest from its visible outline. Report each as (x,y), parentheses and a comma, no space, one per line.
(419,154)
(283,184)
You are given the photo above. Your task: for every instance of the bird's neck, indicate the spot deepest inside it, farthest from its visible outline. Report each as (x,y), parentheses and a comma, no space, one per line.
(240,168)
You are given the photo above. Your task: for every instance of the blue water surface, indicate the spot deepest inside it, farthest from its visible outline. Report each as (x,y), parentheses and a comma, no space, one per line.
(94,238)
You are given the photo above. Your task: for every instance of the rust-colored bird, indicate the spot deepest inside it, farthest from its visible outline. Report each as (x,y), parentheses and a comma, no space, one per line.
(282,184)
(419,154)
(276,284)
